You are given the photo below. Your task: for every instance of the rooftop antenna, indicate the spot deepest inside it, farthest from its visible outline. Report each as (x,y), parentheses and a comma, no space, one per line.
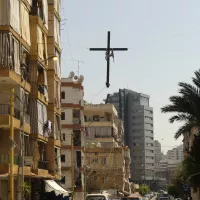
(78,61)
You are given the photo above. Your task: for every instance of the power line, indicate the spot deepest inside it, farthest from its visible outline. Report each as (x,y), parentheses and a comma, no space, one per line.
(98,93)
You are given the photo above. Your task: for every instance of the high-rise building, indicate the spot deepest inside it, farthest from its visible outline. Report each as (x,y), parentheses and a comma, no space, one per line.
(134,110)
(73,135)
(176,153)
(157,152)
(30,63)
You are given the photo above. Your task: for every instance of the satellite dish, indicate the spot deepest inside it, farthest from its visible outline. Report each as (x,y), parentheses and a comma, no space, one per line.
(71,74)
(81,78)
(75,77)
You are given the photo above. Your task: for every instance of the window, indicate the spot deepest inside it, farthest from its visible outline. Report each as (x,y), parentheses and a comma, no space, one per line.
(63,95)
(149,125)
(62,158)
(63,116)
(63,136)
(144,101)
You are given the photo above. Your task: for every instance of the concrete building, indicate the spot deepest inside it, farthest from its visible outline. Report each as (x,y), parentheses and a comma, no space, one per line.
(107,160)
(73,135)
(134,110)
(164,172)
(30,63)
(176,153)
(157,151)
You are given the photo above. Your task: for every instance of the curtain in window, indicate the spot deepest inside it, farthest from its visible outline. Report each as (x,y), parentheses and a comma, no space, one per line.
(45,12)
(25,26)
(9,14)
(40,118)
(57,64)
(40,43)
(45,49)
(45,83)
(30,2)
(16,57)
(57,5)
(57,30)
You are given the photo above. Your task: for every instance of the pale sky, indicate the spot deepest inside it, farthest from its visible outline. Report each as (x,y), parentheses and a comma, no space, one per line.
(163,37)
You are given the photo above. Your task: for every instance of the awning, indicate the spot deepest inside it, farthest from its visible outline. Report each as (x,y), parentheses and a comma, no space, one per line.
(51,185)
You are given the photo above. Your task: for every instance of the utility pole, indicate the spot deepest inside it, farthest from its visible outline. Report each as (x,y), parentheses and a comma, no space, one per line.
(109,53)
(11,147)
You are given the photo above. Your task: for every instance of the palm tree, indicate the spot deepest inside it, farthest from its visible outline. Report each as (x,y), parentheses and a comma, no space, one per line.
(186,106)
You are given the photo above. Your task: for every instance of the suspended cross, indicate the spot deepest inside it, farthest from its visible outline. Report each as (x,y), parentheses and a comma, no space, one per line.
(109,53)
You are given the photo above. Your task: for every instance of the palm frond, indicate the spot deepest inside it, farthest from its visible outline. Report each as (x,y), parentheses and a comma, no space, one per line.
(196,79)
(184,129)
(179,104)
(187,90)
(181,118)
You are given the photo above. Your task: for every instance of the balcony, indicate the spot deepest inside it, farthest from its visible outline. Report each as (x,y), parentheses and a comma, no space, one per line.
(43,164)
(76,121)
(4,162)
(5,159)
(77,138)
(5,116)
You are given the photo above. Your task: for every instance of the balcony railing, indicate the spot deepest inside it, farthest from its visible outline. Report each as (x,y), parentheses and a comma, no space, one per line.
(27,119)
(5,159)
(42,164)
(5,110)
(76,121)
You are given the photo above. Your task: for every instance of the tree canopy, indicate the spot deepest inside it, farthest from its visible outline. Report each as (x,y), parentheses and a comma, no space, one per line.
(186,106)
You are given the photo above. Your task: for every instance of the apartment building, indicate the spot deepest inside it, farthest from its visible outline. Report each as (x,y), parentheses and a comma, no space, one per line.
(176,153)
(107,160)
(30,63)
(73,135)
(157,151)
(137,115)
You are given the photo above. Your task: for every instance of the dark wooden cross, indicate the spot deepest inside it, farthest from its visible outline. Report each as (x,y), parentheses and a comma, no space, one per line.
(109,53)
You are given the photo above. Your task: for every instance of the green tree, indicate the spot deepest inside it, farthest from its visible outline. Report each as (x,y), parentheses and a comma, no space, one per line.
(144,189)
(173,190)
(186,109)
(186,106)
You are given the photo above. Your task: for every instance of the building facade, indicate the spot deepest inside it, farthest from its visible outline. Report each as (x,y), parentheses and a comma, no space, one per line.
(134,110)
(176,153)
(73,135)
(30,63)
(157,151)
(107,160)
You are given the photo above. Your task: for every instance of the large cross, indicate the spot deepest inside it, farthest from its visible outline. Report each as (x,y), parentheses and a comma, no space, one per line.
(109,52)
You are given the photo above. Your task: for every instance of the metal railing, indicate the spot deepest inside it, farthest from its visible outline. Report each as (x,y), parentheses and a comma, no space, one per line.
(5,110)
(42,164)
(27,119)
(5,159)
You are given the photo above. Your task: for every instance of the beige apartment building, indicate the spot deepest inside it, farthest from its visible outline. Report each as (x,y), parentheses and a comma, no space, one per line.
(73,135)
(107,160)
(30,63)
